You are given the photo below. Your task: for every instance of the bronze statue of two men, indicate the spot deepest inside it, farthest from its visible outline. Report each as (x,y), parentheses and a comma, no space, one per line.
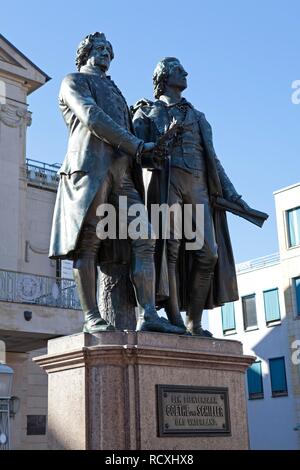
(107,149)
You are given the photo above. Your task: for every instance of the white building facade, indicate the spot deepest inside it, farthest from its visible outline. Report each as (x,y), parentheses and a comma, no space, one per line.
(266,319)
(36,303)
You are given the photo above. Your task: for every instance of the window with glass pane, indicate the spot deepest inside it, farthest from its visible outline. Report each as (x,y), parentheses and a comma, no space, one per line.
(293,226)
(272,308)
(228,317)
(249,311)
(278,377)
(255,382)
(297,291)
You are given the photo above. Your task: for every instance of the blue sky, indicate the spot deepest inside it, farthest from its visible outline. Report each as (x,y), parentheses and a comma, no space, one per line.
(242,57)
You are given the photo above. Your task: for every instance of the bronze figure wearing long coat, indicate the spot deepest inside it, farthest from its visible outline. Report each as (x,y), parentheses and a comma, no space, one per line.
(100,143)
(150,121)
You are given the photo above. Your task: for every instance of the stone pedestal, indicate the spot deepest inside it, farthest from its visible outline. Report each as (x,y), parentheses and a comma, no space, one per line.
(103,389)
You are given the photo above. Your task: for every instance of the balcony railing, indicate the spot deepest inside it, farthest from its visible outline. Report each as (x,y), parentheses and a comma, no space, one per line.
(38,290)
(42,174)
(258,263)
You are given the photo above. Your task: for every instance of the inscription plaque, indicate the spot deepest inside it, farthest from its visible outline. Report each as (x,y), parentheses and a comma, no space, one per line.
(191,411)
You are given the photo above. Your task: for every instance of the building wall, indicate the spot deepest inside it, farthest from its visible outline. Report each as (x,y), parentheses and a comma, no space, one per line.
(39,212)
(272,419)
(31,387)
(26,217)
(285,199)
(12,149)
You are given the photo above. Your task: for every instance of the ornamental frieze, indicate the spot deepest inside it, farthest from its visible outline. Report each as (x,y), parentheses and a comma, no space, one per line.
(12,116)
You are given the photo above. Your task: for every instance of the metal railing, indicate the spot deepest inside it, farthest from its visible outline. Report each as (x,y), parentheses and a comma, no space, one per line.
(258,263)
(42,174)
(39,290)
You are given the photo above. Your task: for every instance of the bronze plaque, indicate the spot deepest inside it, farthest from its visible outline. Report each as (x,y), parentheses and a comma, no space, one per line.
(192,411)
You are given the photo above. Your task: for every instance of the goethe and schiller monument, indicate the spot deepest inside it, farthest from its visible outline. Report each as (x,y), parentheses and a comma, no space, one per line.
(168,384)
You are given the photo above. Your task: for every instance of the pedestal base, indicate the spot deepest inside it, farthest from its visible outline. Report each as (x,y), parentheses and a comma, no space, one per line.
(104,391)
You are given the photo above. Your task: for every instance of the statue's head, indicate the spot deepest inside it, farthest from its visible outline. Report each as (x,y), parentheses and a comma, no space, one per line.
(94,49)
(168,72)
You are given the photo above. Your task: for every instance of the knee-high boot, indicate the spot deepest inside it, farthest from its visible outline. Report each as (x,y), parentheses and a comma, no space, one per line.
(85,275)
(143,280)
(201,283)
(172,304)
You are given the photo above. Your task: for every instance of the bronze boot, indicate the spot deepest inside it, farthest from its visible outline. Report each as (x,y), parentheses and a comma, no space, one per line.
(143,280)
(172,304)
(85,275)
(199,290)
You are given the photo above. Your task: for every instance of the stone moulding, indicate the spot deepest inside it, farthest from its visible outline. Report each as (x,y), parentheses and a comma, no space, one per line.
(125,355)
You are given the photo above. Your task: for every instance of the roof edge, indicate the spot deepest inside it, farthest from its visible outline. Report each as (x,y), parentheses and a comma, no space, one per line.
(286,188)
(47,78)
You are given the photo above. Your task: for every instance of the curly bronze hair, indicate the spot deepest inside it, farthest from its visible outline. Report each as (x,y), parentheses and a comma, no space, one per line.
(85,47)
(161,75)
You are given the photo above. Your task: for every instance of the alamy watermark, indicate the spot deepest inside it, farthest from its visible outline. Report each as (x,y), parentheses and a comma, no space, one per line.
(296,94)
(166,222)
(296,354)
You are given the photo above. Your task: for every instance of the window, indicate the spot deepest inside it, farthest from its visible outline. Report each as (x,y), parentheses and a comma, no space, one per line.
(272,308)
(293,227)
(228,317)
(249,312)
(36,425)
(255,382)
(278,377)
(296,282)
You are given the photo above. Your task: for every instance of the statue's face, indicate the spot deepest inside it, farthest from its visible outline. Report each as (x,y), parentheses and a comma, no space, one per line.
(177,76)
(100,55)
